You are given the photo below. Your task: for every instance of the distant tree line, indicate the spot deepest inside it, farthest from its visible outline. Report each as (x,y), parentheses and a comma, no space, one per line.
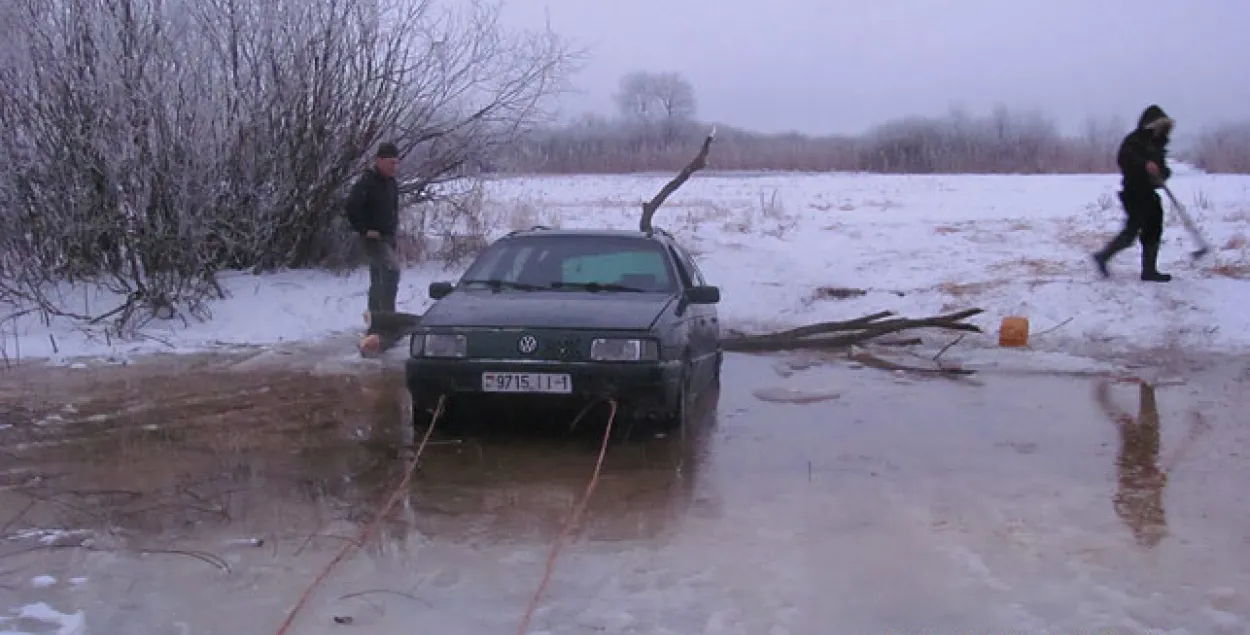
(1223,149)
(656,126)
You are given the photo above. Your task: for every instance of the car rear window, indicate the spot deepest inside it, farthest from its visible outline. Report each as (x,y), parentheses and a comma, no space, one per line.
(545,260)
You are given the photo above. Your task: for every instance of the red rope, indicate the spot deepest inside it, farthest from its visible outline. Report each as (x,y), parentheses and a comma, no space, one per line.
(569,524)
(364,534)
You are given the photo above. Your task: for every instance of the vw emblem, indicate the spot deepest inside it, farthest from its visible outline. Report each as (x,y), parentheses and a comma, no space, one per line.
(527,344)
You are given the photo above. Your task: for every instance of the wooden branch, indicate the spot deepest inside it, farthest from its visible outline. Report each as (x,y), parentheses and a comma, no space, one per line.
(827,327)
(834,335)
(907,341)
(700,160)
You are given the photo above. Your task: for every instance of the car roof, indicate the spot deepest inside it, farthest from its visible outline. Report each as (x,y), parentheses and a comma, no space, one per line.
(539,230)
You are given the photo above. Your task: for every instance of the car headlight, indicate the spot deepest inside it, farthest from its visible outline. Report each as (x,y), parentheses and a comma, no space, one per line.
(622,350)
(438,345)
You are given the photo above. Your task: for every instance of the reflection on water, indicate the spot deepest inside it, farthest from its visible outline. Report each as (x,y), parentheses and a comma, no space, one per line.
(518,477)
(290,457)
(1141,476)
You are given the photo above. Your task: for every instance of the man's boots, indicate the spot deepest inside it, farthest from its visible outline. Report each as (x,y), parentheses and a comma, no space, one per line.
(1100,259)
(1149,266)
(1117,244)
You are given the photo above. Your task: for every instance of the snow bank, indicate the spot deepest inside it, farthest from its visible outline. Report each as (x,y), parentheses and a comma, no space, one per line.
(785,248)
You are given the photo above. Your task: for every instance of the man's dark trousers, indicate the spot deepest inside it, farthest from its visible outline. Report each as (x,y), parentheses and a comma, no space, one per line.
(383,273)
(1144,222)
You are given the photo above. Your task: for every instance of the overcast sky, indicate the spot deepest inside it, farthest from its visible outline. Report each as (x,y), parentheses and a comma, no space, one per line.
(843,65)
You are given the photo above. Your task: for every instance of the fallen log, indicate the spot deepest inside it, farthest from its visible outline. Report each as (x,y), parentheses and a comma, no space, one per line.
(844,334)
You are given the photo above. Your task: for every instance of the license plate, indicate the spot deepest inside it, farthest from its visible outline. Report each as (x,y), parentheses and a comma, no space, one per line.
(557,383)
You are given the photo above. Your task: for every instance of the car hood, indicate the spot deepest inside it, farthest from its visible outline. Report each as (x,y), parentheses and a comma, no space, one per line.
(547,309)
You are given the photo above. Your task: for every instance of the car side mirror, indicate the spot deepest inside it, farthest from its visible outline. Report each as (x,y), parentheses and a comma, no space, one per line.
(703,295)
(440,289)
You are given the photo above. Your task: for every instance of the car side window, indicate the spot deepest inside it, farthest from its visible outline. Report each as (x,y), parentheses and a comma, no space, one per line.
(690,271)
(694,268)
(683,268)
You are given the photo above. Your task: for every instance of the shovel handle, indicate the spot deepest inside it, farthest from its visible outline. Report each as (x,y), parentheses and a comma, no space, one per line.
(1203,247)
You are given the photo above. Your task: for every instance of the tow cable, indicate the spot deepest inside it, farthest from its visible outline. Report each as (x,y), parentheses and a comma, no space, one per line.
(399,490)
(569,523)
(368,529)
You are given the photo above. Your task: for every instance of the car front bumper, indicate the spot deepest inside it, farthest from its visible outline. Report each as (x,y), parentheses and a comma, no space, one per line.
(649,387)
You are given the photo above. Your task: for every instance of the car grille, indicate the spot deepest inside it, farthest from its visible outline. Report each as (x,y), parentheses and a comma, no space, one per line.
(506,345)
(566,349)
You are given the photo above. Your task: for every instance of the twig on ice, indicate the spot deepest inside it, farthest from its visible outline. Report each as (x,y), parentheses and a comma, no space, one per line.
(202,556)
(1053,328)
(410,596)
(948,346)
(872,361)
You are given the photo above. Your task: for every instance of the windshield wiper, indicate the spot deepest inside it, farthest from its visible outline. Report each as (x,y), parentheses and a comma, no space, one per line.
(596,286)
(497,284)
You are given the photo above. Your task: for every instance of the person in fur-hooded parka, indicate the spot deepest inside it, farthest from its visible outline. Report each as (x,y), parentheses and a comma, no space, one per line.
(1143,163)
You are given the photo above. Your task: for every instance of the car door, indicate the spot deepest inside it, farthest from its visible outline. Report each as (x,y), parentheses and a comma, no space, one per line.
(710,310)
(703,326)
(709,320)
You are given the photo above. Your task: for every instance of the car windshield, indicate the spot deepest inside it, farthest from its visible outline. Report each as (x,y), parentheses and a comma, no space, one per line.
(573,263)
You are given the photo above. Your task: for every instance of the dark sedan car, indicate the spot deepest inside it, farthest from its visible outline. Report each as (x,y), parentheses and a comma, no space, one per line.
(566,316)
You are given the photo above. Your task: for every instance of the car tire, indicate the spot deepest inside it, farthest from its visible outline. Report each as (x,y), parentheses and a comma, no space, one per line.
(676,418)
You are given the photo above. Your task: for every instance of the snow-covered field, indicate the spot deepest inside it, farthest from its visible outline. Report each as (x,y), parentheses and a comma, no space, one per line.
(916,245)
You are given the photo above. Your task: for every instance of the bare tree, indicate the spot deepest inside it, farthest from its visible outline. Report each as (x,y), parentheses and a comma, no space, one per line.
(656,101)
(634,99)
(154,143)
(675,96)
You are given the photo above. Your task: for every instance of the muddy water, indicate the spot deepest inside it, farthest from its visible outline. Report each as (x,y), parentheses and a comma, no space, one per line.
(203,496)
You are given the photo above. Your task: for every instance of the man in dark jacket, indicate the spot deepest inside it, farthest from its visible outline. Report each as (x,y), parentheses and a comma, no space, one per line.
(373,211)
(1143,164)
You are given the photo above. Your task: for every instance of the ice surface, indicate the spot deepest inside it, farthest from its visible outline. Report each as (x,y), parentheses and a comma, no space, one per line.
(49,620)
(42,581)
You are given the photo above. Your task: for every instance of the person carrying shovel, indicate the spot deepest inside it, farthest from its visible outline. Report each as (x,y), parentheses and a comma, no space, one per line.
(1143,163)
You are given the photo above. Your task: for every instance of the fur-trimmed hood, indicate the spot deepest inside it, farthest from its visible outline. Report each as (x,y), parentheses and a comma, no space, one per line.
(1153,117)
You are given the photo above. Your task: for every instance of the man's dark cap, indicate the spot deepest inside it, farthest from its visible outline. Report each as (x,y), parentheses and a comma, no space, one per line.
(388,151)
